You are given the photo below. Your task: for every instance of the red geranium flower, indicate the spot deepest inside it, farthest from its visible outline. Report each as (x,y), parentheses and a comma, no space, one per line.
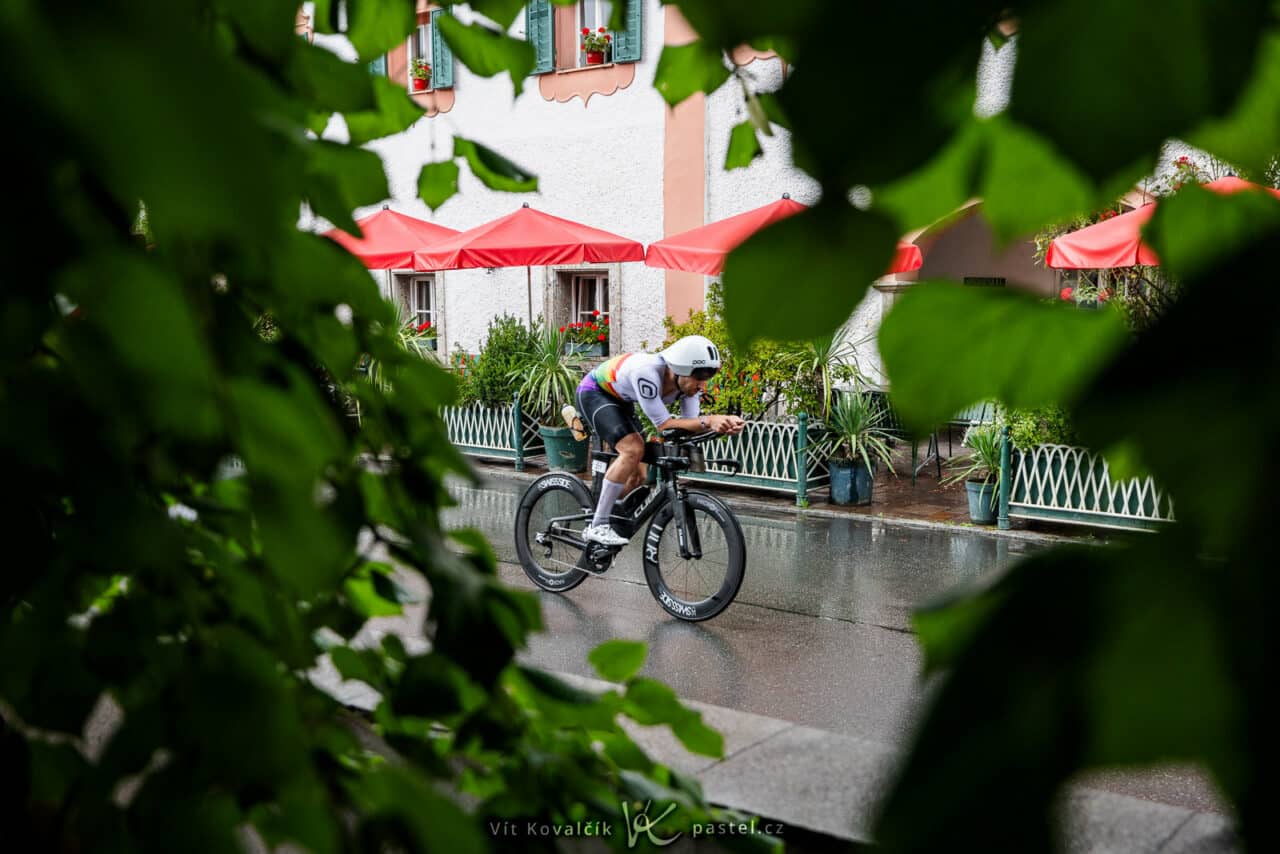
(608,37)
(601,30)
(595,312)
(423,327)
(601,338)
(562,329)
(586,30)
(606,321)
(1066,293)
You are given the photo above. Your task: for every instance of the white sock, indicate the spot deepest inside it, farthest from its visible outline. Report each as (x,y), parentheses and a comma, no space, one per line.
(609,494)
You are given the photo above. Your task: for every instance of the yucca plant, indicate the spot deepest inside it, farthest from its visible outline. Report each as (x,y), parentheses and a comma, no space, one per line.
(548,378)
(854,431)
(411,338)
(983,465)
(820,364)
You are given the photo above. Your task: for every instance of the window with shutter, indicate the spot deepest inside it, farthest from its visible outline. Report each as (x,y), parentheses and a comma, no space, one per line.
(626,44)
(442,67)
(540,32)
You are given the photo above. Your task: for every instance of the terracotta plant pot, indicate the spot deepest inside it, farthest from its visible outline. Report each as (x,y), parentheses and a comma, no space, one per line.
(595,57)
(420,84)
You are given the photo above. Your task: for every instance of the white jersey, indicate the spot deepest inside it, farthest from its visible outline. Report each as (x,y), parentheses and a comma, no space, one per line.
(637,377)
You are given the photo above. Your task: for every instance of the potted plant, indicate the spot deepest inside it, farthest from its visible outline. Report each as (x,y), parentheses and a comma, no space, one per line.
(854,443)
(421,73)
(547,380)
(589,338)
(980,472)
(594,45)
(426,335)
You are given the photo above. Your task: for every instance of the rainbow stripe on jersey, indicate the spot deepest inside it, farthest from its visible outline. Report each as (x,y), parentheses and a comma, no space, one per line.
(606,373)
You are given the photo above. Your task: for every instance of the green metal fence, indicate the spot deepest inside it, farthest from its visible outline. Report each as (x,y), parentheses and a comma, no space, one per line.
(500,432)
(1061,483)
(771,454)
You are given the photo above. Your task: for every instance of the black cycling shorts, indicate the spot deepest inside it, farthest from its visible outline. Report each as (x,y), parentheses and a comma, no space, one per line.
(609,418)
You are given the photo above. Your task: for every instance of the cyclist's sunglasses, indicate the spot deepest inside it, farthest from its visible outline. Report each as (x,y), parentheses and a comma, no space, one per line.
(704,373)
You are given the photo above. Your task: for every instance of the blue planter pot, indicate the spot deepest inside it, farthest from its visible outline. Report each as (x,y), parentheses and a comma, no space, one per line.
(982,509)
(584,349)
(850,483)
(564,453)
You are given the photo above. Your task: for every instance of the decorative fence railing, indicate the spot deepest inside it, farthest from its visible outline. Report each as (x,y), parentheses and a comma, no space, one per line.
(770,453)
(503,432)
(1061,483)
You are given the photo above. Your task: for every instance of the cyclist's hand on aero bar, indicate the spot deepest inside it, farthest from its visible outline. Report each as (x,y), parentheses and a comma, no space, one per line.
(727,424)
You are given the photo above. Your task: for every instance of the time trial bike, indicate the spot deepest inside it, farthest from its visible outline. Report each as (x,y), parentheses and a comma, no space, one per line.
(694,552)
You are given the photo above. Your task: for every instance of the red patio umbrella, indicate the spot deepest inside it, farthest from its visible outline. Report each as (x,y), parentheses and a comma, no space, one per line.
(704,249)
(1117,242)
(527,238)
(390,239)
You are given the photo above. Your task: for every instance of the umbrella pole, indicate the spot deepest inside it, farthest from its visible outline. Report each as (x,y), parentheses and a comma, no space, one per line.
(528,273)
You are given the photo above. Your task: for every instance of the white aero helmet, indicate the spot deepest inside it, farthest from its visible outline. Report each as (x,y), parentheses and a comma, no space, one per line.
(693,356)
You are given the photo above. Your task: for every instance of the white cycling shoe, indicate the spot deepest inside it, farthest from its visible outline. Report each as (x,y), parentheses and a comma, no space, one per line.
(604,535)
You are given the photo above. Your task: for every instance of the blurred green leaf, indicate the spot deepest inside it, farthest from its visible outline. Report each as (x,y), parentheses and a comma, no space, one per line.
(744,147)
(375,27)
(689,68)
(618,660)
(1249,135)
(1017,159)
(1196,229)
(940,187)
(494,171)
(1194,64)
(340,179)
(844,251)
(395,111)
(437,183)
(360,665)
(267,25)
(946,347)
(329,83)
(501,12)
(487,52)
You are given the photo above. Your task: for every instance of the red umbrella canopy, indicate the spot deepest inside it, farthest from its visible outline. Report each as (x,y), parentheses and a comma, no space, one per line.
(1117,242)
(390,239)
(704,249)
(525,238)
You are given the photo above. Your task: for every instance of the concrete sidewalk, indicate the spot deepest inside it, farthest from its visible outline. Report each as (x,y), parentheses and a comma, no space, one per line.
(828,786)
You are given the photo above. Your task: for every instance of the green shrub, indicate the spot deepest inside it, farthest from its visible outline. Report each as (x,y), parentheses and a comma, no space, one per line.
(749,382)
(508,346)
(1047,425)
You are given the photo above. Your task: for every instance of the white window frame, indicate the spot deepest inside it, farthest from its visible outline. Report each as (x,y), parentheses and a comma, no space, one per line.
(417,291)
(601,10)
(587,292)
(419,40)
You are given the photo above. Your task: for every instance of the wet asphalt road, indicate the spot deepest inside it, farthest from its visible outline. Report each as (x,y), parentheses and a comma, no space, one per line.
(819,634)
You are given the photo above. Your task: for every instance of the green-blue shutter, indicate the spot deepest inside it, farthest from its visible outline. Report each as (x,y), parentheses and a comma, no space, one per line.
(441,56)
(626,44)
(378,66)
(539,29)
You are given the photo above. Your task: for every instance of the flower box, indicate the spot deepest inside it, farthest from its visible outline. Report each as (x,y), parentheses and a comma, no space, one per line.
(572,349)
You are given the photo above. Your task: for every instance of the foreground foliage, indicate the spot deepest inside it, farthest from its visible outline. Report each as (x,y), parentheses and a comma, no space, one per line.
(196,528)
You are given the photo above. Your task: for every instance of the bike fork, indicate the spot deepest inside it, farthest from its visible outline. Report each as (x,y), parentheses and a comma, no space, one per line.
(686,528)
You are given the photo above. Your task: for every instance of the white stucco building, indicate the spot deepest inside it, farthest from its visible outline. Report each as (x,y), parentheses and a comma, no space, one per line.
(610,153)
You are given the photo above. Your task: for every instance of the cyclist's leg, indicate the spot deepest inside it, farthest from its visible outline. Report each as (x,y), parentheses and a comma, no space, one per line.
(613,421)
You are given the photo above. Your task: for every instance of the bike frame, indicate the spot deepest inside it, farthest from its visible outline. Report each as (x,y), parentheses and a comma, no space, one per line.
(666,491)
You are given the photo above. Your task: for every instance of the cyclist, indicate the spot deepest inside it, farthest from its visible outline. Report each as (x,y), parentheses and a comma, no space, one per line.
(607,398)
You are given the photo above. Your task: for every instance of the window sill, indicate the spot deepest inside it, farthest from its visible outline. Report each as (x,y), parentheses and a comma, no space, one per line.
(585,68)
